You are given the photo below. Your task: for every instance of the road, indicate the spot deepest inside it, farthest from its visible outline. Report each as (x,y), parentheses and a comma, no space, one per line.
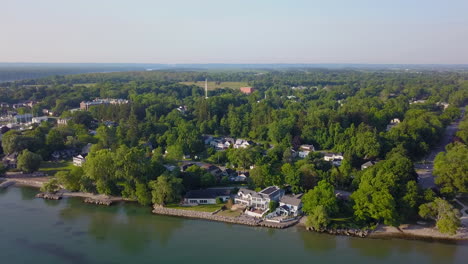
(424,170)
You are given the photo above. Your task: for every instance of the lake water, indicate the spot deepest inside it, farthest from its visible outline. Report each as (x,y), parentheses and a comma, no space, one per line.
(70,231)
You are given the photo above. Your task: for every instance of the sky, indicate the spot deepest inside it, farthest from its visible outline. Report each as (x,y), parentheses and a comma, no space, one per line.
(235,31)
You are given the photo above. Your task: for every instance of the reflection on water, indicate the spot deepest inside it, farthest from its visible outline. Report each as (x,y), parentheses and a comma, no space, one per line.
(130,226)
(318,242)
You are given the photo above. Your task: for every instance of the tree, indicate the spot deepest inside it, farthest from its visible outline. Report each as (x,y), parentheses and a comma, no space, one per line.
(52,186)
(100,167)
(166,189)
(447,218)
(174,152)
(451,170)
(143,194)
(29,161)
(273,205)
(322,195)
(292,177)
(382,189)
(207,180)
(71,180)
(318,218)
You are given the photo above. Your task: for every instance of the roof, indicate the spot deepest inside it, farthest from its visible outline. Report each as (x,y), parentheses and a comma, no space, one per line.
(208,193)
(288,199)
(269,190)
(369,163)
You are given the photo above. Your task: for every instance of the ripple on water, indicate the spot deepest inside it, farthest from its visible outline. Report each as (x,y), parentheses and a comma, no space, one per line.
(68,256)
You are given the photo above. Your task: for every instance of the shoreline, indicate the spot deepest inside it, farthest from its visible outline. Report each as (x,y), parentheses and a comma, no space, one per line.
(406,231)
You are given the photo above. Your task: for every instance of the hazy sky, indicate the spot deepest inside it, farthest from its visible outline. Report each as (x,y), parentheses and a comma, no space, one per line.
(234,31)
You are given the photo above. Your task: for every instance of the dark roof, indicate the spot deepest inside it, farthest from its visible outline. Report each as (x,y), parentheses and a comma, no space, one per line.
(208,193)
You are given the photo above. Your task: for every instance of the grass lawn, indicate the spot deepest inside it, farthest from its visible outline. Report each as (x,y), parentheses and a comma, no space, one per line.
(51,168)
(229,213)
(203,208)
(214,85)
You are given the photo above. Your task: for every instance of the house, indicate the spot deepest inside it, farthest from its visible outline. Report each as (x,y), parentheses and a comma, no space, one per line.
(39,119)
(304,150)
(240,177)
(247,90)
(207,196)
(368,164)
(169,167)
(207,139)
(241,143)
(259,200)
(85,105)
(393,122)
(63,121)
(214,170)
(26,118)
(335,158)
(10,161)
(290,205)
(182,109)
(185,166)
(79,160)
(86,149)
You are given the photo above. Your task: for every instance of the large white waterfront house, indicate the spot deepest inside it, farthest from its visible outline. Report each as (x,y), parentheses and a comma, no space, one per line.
(259,200)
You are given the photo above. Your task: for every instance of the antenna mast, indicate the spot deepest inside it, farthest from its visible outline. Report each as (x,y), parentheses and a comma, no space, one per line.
(206,88)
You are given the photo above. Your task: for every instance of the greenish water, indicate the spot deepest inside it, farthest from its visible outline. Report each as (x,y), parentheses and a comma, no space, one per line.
(69,231)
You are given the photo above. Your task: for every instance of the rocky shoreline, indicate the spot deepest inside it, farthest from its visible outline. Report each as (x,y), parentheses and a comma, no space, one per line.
(49,196)
(343,232)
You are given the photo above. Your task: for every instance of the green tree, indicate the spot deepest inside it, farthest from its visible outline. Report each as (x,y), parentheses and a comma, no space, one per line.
(71,180)
(143,193)
(100,167)
(29,161)
(451,170)
(292,177)
(322,195)
(166,189)
(318,218)
(51,186)
(273,205)
(447,218)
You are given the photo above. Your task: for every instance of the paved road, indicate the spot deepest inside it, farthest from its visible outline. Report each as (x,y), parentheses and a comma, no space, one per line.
(426,179)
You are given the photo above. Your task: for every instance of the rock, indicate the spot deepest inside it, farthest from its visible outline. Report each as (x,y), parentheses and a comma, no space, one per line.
(101,201)
(49,196)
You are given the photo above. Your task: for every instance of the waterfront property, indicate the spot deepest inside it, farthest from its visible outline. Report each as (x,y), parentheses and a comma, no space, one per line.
(258,202)
(291,205)
(207,196)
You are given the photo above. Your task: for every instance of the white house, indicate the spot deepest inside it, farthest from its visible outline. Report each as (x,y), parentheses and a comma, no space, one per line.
(259,200)
(39,119)
(393,122)
(304,150)
(207,196)
(290,205)
(335,158)
(79,160)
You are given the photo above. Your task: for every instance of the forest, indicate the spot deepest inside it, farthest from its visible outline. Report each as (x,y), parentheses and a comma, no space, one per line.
(341,111)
